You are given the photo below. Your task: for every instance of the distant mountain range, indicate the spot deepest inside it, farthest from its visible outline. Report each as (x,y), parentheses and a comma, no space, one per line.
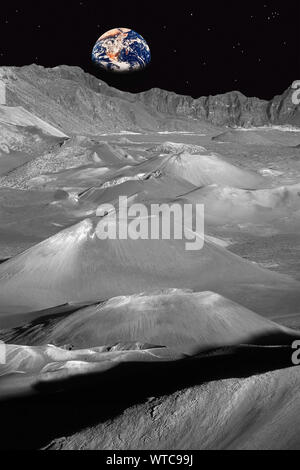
(76,102)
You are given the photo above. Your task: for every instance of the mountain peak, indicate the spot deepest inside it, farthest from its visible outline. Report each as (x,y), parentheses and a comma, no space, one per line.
(81,103)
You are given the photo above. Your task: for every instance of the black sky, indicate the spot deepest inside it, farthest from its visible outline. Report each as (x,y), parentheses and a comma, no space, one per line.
(198,48)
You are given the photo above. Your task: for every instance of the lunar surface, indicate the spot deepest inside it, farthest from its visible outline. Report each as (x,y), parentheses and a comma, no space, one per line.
(154,345)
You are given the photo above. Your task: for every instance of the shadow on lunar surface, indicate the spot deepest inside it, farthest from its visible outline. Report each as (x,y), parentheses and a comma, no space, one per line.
(55,412)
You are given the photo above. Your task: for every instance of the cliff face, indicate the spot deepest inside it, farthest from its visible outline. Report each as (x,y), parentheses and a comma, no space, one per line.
(231,109)
(281,109)
(77,102)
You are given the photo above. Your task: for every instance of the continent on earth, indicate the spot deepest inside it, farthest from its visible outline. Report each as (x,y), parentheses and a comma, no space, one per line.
(121,50)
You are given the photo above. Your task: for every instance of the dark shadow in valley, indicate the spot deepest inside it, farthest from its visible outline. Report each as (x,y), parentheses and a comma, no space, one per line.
(65,407)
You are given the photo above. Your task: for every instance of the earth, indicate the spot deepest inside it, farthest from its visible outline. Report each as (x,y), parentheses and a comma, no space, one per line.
(121,50)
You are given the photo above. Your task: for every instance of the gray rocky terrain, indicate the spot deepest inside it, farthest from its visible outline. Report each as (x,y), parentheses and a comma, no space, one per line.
(142,344)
